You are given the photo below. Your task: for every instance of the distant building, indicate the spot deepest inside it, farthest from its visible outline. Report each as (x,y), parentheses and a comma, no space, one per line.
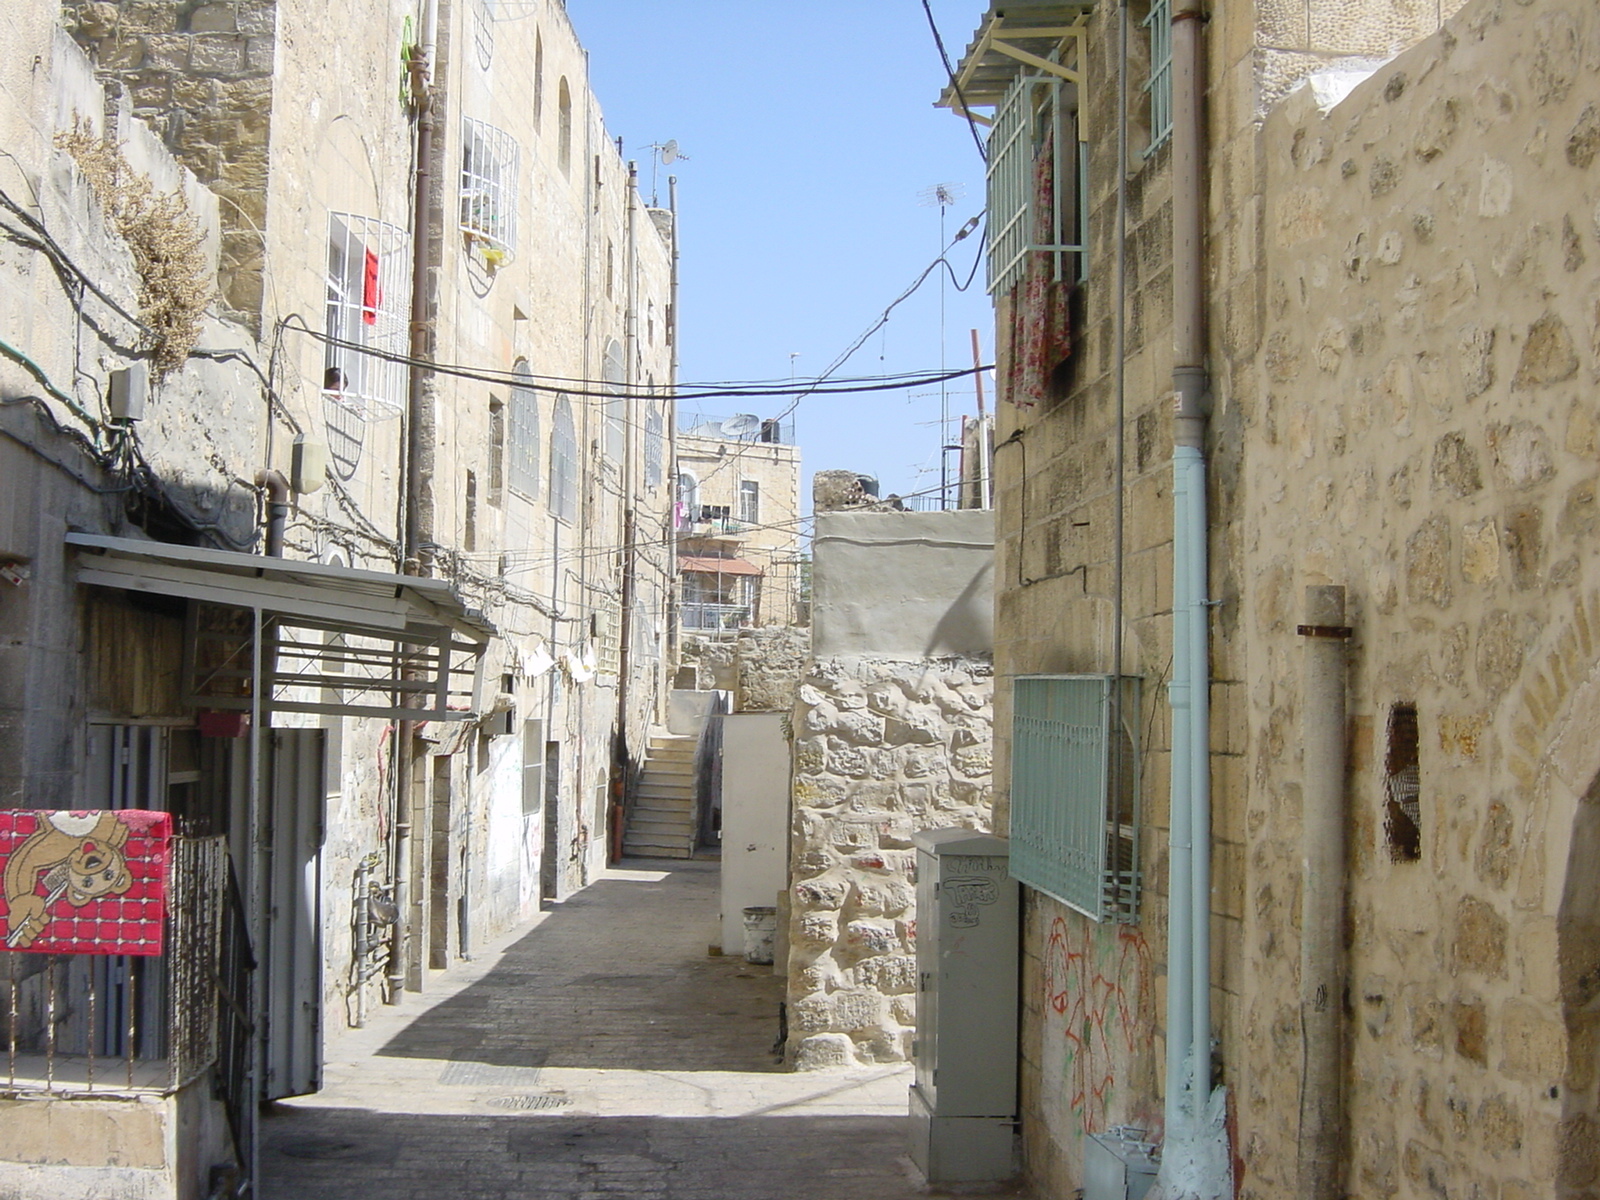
(740,545)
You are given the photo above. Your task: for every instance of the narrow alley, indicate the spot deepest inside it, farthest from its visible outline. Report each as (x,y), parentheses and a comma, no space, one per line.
(599,1052)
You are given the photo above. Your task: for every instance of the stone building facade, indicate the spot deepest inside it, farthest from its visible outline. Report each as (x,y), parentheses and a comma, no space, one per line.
(1398,294)
(517,506)
(738,520)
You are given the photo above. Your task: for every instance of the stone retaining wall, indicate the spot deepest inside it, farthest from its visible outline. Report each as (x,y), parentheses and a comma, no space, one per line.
(883,748)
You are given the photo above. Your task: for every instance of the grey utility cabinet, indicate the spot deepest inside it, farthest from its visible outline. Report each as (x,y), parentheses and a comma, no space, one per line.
(964,1098)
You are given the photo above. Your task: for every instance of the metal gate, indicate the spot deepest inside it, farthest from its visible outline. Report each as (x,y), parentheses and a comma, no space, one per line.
(292,951)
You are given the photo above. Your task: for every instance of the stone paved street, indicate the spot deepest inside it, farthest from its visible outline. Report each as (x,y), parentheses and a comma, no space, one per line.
(597,1054)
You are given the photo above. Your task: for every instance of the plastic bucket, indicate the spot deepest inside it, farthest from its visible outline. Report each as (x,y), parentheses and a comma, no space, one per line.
(760,928)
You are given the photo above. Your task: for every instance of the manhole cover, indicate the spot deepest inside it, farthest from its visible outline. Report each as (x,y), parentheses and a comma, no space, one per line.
(530,1103)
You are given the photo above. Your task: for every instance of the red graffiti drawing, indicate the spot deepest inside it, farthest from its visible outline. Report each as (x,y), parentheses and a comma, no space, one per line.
(1101,994)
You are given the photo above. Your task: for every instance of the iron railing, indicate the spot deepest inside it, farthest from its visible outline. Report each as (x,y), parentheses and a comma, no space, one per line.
(1028,214)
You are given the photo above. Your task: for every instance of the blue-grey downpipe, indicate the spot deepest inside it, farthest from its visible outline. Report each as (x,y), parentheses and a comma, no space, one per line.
(1189,879)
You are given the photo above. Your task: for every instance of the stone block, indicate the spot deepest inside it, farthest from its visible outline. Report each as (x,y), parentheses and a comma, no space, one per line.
(1472,1034)
(1455,466)
(1428,563)
(1499,1126)
(213,18)
(1521,454)
(888,973)
(824,1051)
(821,893)
(1533,1044)
(1548,354)
(819,928)
(1480,938)
(867,937)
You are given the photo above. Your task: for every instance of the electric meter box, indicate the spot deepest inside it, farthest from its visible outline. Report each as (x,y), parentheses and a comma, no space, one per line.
(964,1098)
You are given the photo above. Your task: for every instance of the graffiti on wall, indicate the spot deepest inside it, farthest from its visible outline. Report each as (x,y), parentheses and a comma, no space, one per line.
(1097,1016)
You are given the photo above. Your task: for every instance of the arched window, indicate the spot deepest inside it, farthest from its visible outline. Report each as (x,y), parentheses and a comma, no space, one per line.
(615,402)
(564,125)
(564,463)
(654,446)
(523,469)
(688,499)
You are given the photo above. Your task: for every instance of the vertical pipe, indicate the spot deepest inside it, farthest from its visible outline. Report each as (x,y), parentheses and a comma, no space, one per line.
(256,918)
(672,435)
(1192,463)
(1180,977)
(1322,905)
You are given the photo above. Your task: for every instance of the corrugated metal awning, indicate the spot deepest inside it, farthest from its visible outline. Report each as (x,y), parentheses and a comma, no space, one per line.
(1015,34)
(407,643)
(712,565)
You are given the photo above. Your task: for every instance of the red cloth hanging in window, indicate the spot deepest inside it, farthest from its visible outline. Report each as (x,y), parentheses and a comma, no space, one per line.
(1041,304)
(85,882)
(371,290)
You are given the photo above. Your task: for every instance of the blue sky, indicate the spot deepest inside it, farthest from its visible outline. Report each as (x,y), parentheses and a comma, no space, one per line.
(810,131)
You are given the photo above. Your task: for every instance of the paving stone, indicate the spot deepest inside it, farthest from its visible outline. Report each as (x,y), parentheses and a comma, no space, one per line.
(595,1054)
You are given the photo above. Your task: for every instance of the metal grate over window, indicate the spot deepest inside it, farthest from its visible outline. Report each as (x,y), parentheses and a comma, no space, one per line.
(564,463)
(615,403)
(489,163)
(1159,85)
(1075,791)
(1037,182)
(523,468)
(368,280)
(655,445)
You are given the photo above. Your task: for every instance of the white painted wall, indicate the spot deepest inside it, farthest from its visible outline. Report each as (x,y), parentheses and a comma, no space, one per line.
(903,585)
(755,818)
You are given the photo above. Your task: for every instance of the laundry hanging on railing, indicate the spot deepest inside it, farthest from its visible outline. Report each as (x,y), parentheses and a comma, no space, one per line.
(85,882)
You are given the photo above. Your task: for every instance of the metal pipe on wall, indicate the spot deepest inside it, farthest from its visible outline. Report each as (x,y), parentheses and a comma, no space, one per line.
(1322,904)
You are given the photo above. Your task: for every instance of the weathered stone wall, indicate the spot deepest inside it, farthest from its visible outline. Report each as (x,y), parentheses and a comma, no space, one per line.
(761,667)
(882,748)
(201,76)
(1424,433)
(1056,494)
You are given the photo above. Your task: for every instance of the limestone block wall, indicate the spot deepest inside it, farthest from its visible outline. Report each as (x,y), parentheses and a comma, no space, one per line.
(1425,434)
(883,748)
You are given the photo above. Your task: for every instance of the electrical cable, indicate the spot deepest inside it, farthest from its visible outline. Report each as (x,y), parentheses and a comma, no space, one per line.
(955,83)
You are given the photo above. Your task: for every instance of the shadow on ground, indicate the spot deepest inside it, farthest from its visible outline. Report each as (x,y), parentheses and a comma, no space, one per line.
(334,1154)
(617,977)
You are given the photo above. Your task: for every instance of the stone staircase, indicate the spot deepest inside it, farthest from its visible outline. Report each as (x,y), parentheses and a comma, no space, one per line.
(662,817)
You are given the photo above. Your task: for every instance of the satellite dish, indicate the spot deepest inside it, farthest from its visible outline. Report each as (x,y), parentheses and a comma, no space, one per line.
(669,152)
(741,425)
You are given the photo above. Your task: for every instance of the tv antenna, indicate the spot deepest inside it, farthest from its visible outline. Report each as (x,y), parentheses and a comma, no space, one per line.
(943,196)
(663,154)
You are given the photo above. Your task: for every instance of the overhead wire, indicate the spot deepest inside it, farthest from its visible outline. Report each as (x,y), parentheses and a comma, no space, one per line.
(955,83)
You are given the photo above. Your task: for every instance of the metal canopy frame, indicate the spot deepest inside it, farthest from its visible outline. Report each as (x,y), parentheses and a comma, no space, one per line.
(339,641)
(1016,34)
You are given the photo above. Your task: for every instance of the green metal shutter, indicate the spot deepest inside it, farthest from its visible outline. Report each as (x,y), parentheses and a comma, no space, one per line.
(1075,791)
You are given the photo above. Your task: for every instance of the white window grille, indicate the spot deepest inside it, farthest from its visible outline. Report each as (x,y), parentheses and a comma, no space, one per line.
(615,402)
(655,445)
(608,640)
(368,280)
(1075,791)
(490,159)
(1037,183)
(749,501)
(1159,85)
(523,469)
(564,463)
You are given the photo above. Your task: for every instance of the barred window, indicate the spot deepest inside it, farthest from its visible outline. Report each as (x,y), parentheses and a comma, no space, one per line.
(1037,183)
(654,449)
(367,282)
(490,159)
(615,402)
(523,469)
(483,31)
(564,125)
(1159,85)
(564,463)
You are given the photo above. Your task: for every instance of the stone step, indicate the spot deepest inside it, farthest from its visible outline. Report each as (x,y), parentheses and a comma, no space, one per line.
(668,770)
(665,830)
(651,846)
(665,787)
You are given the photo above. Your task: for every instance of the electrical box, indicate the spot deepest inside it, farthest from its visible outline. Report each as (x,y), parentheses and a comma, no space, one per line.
(129,386)
(964,1098)
(308,465)
(1120,1164)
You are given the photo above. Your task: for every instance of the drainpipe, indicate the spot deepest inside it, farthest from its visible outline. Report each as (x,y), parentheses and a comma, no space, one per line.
(277,489)
(630,530)
(672,438)
(1322,906)
(418,531)
(1195,1156)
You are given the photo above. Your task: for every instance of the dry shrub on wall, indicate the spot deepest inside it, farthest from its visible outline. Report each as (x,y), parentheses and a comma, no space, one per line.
(164,236)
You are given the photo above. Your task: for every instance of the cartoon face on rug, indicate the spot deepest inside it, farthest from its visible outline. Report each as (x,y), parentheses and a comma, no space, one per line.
(80,856)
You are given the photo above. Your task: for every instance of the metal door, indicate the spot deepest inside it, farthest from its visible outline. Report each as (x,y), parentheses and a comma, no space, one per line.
(292,954)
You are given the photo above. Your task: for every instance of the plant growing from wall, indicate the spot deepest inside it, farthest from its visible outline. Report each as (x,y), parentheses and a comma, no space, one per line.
(162,233)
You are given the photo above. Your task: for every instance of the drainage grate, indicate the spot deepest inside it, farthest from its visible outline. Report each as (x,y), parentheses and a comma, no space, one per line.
(480,1074)
(538,1103)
